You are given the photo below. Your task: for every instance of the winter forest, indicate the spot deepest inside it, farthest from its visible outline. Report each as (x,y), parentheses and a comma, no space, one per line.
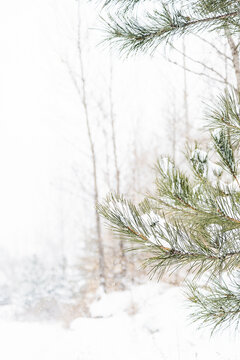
(120,179)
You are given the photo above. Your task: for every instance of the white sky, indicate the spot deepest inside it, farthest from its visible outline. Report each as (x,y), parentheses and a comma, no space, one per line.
(40,118)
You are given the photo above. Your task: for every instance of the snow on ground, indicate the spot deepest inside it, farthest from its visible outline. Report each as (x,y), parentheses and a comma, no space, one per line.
(149,322)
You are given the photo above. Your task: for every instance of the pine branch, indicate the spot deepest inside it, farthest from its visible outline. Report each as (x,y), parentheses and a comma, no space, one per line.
(171,245)
(193,204)
(203,6)
(132,34)
(125,4)
(190,221)
(216,6)
(218,306)
(225,116)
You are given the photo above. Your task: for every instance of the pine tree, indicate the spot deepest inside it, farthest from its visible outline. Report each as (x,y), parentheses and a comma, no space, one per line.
(191,220)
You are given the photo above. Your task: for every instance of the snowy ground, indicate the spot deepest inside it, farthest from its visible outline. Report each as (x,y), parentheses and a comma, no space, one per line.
(149,322)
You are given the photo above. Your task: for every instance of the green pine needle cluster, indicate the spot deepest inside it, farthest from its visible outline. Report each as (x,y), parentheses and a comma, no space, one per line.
(133,28)
(192,220)
(217,305)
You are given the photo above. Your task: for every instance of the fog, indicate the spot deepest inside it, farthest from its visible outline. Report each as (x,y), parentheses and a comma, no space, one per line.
(42,130)
(69,102)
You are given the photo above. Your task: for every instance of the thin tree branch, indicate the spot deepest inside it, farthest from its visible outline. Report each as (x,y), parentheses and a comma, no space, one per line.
(198,73)
(201,63)
(219,52)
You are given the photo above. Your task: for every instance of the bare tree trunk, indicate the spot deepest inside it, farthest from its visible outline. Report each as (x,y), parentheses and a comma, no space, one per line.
(117,170)
(107,172)
(226,63)
(185,92)
(171,128)
(135,186)
(235,59)
(105,116)
(174,136)
(112,117)
(93,157)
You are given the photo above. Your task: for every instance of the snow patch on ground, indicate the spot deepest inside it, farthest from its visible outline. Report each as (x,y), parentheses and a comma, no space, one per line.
(147,322)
